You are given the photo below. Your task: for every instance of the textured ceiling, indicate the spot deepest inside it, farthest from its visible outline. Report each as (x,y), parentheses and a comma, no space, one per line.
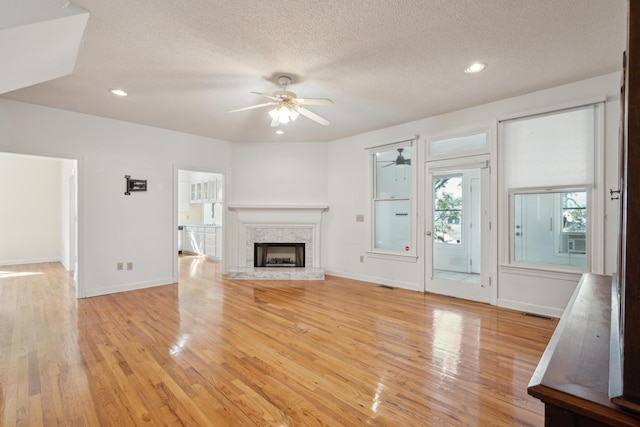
(382,62)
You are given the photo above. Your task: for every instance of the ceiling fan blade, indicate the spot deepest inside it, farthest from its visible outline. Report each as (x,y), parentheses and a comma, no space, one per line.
(313,116)
(271,97)
(252,107)
(390,164)
(275,123)
(314,101)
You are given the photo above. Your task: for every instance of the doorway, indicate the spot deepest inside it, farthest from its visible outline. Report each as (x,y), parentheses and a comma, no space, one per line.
(41,224)
(457,228)
(199,215)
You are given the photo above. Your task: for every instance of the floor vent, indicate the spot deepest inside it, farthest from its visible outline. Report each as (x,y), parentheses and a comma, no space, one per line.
(539,316)
(387,287)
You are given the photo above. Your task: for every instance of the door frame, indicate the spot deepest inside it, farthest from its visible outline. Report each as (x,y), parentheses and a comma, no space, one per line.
(487,292)
(176,171)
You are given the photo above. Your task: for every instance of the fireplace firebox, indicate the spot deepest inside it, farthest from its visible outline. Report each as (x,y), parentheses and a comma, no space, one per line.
(278,254)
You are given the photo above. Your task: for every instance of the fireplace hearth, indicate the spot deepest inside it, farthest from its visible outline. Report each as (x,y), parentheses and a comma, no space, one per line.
(278,254)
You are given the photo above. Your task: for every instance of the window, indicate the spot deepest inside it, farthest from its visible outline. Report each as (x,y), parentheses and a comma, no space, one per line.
(458,144)
(447,209)
(550,166)
(550,227)
(393,197)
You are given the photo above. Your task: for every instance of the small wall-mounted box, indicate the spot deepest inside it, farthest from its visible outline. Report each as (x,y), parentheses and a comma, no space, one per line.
(134,185)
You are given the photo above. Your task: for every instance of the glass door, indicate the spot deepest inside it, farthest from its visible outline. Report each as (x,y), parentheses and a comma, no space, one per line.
(456,229)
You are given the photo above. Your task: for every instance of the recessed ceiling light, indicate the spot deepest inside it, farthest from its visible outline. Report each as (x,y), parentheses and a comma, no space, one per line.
(475,68)
(118,92)
(280,132)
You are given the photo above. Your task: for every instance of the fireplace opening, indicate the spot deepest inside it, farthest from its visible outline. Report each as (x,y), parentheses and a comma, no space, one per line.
(278,255)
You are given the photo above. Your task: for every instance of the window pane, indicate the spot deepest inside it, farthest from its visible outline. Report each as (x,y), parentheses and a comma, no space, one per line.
(447,212)
(574,208)
(461,143)
(393,173)
(551,228)
(392,229)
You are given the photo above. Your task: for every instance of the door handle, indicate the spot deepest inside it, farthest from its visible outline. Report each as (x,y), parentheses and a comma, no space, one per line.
(428,233)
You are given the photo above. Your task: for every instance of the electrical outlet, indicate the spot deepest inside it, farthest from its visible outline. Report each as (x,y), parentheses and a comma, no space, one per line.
(359,218)
(119,266)
(129,266)
(361,258)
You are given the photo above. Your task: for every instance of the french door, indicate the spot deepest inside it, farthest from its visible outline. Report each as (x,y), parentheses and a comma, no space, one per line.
(457,241)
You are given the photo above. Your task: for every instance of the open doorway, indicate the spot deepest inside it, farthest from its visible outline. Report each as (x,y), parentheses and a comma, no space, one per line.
(39,219)
(200,214)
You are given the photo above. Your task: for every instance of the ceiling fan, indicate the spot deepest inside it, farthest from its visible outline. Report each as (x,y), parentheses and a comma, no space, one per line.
(400,160)
(288,106)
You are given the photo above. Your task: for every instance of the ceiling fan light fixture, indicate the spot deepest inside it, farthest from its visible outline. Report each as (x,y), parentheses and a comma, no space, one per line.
(274,113)
(283,114)
(287,106)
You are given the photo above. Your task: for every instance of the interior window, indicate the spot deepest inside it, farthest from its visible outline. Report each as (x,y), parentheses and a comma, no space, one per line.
(392,198)
(458,144)
(550,227)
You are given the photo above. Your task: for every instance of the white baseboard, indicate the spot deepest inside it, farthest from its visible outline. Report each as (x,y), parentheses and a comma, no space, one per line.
(530,308)
(127,287)
(28,261)
(376,280)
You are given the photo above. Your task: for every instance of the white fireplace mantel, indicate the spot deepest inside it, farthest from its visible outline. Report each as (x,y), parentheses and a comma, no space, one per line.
(278,207)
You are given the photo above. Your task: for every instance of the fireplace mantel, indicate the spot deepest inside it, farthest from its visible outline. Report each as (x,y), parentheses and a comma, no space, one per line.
(239,208)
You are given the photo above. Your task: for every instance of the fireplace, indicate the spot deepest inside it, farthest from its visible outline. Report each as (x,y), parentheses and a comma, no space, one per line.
(282,225)
(278,254)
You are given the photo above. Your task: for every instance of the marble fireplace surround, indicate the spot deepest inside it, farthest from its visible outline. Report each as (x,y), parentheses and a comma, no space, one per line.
(278,224)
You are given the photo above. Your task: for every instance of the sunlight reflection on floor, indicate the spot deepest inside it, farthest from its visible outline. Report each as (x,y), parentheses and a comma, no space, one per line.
(7,274)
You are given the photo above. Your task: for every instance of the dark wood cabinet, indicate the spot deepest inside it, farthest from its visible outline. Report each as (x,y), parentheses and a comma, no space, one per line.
(625,390)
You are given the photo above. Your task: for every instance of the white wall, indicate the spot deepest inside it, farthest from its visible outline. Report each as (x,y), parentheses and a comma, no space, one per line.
(140,228)
(279,173)
(345,240)
(31,209)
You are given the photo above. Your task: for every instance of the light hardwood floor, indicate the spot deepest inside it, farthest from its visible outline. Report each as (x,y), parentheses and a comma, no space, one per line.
(215,352)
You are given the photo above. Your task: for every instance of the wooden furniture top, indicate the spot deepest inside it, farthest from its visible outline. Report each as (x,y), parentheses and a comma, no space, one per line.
(573,373)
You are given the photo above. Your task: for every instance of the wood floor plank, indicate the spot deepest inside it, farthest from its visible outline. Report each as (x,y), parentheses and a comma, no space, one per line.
(209,351)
